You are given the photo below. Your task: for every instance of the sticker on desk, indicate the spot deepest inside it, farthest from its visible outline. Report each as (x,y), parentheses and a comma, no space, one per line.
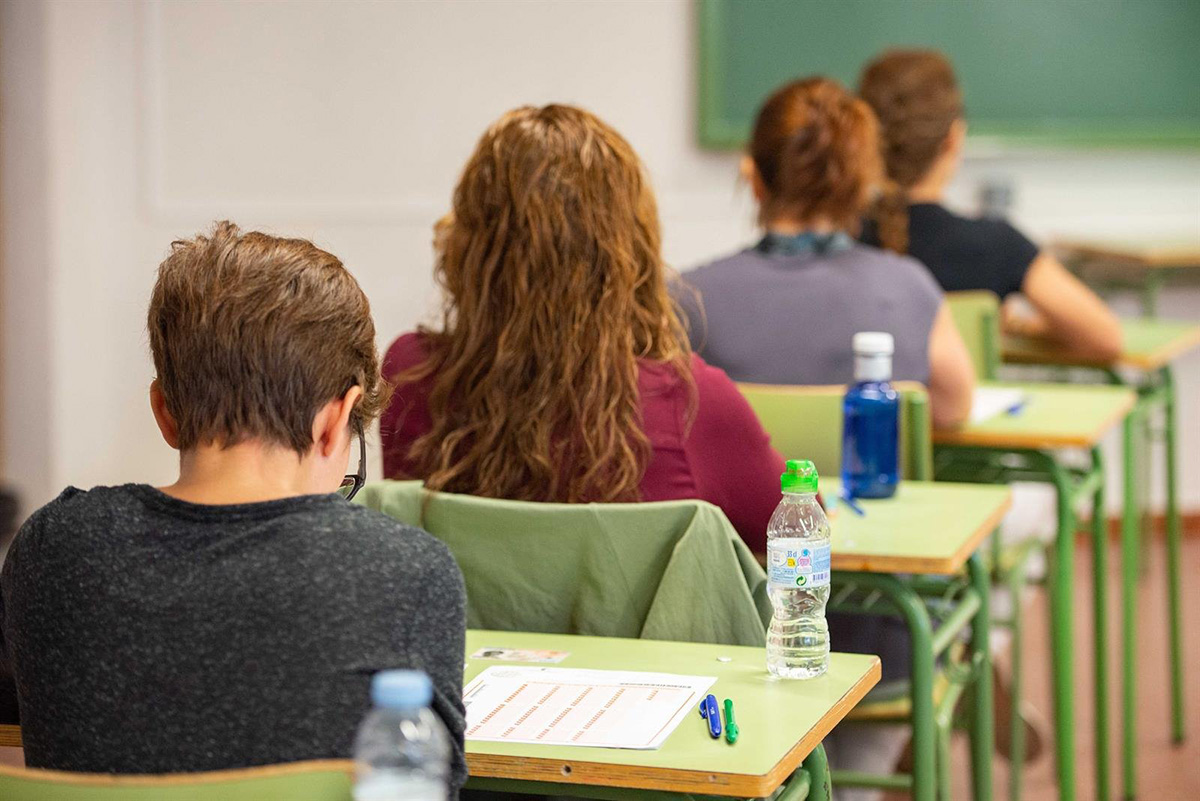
(562,706)
(520,655)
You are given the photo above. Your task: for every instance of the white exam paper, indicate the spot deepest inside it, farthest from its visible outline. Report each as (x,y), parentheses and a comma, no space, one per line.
(991,401)
(565,706)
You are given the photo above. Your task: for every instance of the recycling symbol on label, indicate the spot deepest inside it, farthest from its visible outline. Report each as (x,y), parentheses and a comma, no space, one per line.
(801,581)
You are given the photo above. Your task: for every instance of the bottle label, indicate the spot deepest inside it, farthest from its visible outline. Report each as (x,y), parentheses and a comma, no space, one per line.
(797,564)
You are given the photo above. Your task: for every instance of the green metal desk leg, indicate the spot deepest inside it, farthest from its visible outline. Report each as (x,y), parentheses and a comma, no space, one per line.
(819,787)
(1129,575)
(912,611)
(982,728)
(1100,626)
(1151,287)
(1016,585)
(1062,634)
(1174,557)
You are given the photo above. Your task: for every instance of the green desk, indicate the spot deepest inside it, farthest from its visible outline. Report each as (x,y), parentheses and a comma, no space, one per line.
(1024,446)
(926,531)
(1145,366)
(1141,265)
(782,723)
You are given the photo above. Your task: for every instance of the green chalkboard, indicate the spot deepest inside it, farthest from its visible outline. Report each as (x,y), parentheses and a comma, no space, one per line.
(1041,72)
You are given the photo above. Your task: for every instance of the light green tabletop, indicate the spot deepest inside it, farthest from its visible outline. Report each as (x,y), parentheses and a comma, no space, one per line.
(1150,344)
(781,721)
(927,527)
(1054,416)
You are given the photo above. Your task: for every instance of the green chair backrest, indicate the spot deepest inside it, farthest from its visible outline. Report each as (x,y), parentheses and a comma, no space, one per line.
(672,570)
(321,780)
(977,316)
(805,422)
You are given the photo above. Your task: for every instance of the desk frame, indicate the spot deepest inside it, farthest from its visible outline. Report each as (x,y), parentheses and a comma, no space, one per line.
(930,778)
(1003,465)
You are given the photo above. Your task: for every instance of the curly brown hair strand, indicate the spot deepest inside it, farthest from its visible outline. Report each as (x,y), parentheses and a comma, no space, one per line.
(554,287)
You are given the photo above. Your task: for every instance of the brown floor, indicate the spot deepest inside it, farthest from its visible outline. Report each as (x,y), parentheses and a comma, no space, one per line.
(1165,772)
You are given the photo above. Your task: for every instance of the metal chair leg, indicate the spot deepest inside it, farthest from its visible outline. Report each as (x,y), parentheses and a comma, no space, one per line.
(1174,559)
(1129,575)
(982,725)
(1100,626)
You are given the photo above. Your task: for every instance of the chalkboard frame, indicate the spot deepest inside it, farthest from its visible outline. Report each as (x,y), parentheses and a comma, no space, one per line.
(716,131)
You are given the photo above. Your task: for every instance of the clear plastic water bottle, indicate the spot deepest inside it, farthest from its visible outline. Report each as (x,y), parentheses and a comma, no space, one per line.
(871,421)
(402,750)
(798,577)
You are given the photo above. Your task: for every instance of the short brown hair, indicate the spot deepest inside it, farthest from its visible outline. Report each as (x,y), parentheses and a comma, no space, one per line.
(251,334)
(816,148)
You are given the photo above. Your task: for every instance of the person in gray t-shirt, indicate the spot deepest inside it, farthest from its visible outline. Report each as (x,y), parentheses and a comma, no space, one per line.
(780,317)
(784,311)
(234,617)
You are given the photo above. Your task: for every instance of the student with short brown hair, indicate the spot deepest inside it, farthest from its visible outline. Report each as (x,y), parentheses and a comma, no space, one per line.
(235,616)
(919,105)
(785,310)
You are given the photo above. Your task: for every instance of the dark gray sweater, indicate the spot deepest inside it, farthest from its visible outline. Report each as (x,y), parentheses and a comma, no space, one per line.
(148,634)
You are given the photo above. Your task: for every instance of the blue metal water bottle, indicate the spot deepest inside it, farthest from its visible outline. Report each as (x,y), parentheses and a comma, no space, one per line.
(871,421)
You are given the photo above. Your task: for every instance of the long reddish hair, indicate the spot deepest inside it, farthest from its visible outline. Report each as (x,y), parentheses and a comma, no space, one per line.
(917,100)
(554,288)
(816,149)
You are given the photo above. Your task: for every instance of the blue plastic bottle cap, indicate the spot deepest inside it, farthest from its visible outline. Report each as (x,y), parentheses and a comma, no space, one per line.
(401,689)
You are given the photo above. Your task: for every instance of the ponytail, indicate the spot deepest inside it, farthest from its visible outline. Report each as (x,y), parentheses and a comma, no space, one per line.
(890,214)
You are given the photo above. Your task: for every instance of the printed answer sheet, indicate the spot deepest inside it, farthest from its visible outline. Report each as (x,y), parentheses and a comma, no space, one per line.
(563,706)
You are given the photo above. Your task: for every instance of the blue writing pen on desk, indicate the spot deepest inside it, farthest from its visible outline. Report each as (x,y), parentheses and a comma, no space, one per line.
(853,505)
(710,711)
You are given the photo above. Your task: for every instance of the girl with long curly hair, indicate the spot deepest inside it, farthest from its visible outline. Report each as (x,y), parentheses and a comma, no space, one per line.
(785,310)
(561,370)
(916,97)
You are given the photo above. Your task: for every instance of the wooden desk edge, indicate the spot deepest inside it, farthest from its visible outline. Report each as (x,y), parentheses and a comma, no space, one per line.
(922,565)
(643,777)
(1041,441)
(1153,360)
(1149,258)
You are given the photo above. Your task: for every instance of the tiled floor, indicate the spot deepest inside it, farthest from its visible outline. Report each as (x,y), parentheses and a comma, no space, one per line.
(1165,772)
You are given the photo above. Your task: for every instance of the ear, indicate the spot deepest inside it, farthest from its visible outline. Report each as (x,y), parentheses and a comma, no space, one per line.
(332,423)
(751,175)
(162,415)
(956,139)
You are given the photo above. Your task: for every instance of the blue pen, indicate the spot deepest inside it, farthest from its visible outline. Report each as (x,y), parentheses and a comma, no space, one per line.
(853,504)
(709,710)
(1017,407)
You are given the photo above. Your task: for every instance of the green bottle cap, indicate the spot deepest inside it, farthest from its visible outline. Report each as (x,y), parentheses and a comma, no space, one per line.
(800,475)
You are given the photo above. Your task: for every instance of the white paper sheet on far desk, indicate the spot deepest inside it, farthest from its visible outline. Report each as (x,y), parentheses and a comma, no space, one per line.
(991,401)
(563,706)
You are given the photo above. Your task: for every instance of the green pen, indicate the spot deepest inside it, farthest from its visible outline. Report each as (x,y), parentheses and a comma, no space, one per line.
(731,729)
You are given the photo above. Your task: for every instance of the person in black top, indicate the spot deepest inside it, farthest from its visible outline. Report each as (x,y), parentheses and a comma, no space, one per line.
(916,97)
(234,617)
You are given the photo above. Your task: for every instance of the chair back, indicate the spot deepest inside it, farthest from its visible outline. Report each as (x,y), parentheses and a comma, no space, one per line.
(977,316)
(805,422)
(673,570)
(319,780)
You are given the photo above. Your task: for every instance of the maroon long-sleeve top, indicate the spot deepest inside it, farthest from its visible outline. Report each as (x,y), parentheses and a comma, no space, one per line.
(724,458)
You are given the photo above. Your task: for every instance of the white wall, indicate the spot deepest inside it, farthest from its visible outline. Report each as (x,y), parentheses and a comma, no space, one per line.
(126,124)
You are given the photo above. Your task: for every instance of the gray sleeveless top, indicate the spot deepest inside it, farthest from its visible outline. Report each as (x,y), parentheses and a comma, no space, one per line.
(784,312)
